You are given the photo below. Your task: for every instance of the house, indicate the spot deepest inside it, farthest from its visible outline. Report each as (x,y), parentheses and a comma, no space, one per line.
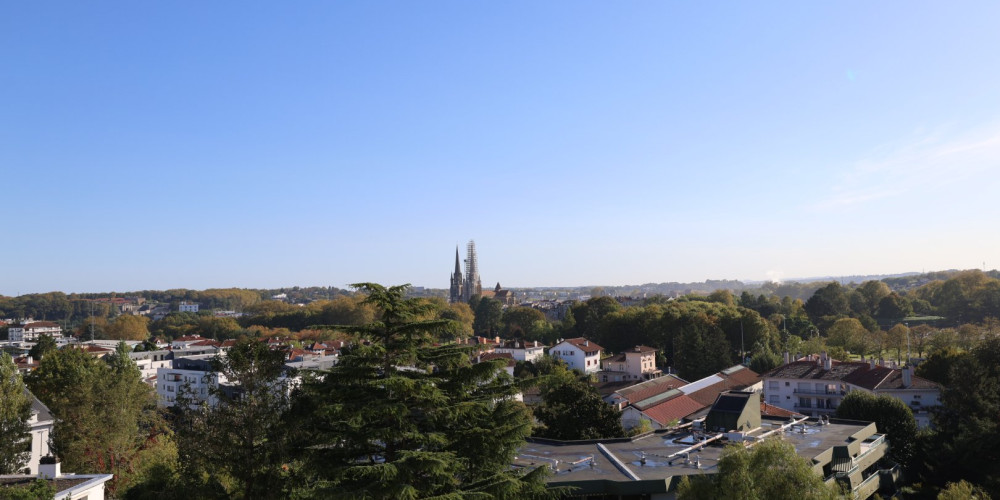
(67,486)
(815,385)
(30,331)
(578,354)
(652,465)
(521,350)
(41,422)
(638,363)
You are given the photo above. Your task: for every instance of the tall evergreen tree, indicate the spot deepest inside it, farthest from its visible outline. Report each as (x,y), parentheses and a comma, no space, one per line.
(240,438)
(400,418)
(15,410)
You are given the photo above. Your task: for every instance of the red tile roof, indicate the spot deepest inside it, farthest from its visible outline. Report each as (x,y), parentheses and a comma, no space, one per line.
(774,411)
(673,409)
(584,345)
(650,388)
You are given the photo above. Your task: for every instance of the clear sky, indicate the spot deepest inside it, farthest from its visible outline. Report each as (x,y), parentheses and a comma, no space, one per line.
(153,144)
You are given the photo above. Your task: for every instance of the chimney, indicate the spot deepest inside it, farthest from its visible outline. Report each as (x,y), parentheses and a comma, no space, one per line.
(536,343)
(30,360)
(871,363)
(907,377)
(788,357)
(586,343)
(827,362)
(48,467)
(496,339)
(637,349)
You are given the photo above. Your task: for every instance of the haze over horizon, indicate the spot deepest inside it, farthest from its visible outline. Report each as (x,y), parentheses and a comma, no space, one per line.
(157,146)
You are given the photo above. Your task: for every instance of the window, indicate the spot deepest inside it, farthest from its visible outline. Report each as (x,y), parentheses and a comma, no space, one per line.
(772,385)
(773,399)
(805,403)
(787,384)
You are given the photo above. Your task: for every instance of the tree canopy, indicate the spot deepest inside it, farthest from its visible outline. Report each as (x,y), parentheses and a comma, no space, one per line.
(399,417)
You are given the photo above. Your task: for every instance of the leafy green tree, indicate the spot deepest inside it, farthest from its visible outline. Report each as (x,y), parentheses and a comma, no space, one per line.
(966,433)
(45,345)
(488,315)
(700,347)
(891,416)
(963,490)
(938,365)
(572,409)
(15,410)
(893,307)
(399,417)
(896,339)
(848,333)
(128,327)
(828,303)
(242,437)
(461,317)
(764,361)
(521,322)
(106,416)
(770,470)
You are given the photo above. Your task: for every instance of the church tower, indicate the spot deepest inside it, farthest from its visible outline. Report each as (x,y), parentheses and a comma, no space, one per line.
(472,285)
(456,282)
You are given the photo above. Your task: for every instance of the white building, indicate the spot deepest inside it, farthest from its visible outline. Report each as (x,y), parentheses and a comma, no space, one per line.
(638,363)
(31,331)
(67,486)
(816,385)
(41,422)
(520,350)
(188,307)
(195,373)
(151,361)
(579,354)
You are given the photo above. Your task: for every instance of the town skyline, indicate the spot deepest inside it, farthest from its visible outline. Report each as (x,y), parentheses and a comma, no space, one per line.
(165,146)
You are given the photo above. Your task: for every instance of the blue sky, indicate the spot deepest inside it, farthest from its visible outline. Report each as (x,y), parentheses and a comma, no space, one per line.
(151,145)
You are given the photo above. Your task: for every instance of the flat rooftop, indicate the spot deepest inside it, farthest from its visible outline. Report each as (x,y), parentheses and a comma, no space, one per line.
(650,457)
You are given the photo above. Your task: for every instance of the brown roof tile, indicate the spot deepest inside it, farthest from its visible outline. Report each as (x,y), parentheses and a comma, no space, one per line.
(673,409)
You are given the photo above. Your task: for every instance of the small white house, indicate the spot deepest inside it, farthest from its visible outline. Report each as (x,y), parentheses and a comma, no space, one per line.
(521,350)
(579,354)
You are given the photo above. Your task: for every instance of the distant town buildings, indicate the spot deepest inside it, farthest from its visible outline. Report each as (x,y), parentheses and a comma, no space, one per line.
(30,331)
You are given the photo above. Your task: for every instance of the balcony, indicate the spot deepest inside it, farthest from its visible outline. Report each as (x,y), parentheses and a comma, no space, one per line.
(819,393)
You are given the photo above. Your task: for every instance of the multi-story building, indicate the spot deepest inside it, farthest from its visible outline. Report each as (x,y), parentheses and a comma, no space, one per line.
(816,385)
(30,331)
(189,307)
(638,363)
(151,361)
(521,350)
(194,374)
(579,354)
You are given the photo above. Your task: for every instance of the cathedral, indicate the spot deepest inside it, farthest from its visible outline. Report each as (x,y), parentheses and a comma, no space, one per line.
(463,289)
